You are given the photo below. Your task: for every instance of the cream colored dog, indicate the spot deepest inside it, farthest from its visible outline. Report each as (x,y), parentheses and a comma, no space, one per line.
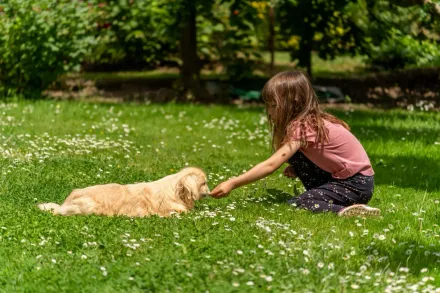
(173,193)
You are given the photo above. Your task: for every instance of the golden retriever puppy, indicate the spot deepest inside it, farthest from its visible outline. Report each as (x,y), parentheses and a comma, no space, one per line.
(171,194)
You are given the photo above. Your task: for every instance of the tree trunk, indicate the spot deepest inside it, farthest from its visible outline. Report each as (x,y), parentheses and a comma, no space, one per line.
(305,53)
(306,43)
(306,56)
(272,39)
(191,65)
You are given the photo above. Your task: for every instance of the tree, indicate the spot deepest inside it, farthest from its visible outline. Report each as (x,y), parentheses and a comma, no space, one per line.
(185,33)
(131,35)
(191,64)
(321,25)
(267,27)
(230,37)
(396,35)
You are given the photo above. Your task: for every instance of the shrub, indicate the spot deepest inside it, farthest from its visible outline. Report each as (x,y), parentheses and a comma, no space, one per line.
(39,41)
(131,35)
(400,51)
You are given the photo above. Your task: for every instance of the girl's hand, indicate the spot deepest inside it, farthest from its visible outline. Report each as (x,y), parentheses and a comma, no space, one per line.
(222,190)
(261,170)
(289,172)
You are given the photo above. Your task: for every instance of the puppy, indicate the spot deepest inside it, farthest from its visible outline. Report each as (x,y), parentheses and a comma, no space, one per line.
(171,194)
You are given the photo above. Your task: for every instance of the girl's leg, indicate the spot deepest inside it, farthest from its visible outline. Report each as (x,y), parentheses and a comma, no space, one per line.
(310,175)
(316,200)
(335,195)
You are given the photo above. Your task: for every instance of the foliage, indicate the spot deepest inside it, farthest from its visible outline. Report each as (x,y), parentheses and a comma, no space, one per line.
(395,36)
(139,34)
(39,41)
(237,46)
(226,36)
(318,25)
(132,35)
(399,51)
(42,40)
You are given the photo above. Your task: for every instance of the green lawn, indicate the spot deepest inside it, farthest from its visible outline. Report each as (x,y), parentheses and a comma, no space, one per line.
(340,66)
(251,241)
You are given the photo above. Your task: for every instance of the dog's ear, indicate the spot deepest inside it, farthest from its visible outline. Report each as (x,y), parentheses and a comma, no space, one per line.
(186,187)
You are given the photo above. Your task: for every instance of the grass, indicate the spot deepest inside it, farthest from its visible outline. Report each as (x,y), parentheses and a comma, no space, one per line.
(340,66)
(251,241)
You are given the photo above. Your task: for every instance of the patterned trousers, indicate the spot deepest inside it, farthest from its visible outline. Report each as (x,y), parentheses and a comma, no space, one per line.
(323,192)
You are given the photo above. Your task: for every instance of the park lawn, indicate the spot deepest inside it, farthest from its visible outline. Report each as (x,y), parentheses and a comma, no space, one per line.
(341,66)
(251,241)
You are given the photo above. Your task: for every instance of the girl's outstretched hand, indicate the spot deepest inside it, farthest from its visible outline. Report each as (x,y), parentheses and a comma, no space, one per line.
(289,172)
(222,190)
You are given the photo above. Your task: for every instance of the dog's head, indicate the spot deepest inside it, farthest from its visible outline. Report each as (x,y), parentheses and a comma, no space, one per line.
(192,185)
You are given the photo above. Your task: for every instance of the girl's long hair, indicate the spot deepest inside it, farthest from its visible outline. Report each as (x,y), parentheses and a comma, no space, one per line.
(295,102)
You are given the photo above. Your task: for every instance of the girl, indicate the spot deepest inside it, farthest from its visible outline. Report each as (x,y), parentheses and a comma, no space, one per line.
(328,159)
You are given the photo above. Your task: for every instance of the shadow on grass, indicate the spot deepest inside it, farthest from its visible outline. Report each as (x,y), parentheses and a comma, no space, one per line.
(407,172)
(415,251)
(277,196)
(408,253)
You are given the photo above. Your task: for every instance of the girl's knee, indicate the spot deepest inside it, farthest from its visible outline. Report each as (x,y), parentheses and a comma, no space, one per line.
(366,197)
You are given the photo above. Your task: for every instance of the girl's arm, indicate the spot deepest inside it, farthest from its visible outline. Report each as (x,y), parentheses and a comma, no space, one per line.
(259,171)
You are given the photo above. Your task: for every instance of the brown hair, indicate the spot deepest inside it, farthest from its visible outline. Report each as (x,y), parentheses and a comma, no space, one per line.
(295,102)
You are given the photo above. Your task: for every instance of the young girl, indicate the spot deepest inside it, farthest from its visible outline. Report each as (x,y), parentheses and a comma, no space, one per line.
(322,152)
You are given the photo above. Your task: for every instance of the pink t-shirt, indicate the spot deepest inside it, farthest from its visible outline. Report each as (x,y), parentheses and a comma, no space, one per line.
(343,155)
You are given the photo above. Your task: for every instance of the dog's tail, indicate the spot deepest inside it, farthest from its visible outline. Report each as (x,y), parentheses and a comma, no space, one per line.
(49,207)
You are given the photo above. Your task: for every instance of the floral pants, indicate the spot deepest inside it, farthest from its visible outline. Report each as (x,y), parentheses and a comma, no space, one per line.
(323,192)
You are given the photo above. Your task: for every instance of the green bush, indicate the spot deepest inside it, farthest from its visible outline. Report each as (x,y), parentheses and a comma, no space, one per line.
(228,37)
(39,41)
(131,35)
(142,34)
(400,51)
